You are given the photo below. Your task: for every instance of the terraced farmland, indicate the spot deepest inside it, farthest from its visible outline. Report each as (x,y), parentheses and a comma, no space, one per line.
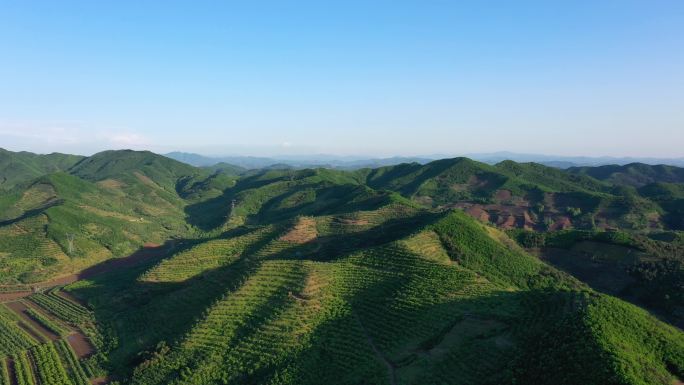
(37,341)
(175,275)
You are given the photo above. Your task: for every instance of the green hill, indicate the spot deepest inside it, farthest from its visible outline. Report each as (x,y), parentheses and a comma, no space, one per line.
(520,195)
(633,174)
(20,167)
(226,169)
(171,274)
(111,203)
(451,301)
(146,166)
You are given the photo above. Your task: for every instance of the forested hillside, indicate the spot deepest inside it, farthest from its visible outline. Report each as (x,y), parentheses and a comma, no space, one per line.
(132,268)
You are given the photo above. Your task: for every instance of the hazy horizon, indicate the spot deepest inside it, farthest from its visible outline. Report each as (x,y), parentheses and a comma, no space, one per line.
(313,157)
(353,78)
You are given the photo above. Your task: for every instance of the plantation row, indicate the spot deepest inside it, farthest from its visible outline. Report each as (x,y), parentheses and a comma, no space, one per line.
(23,371)
(48,365)
(271,317)
(61,307)
(35,360)
(4,373)
(45,364)
(47,322)
(396,298)
(362,220)
(205,256)
(12,337)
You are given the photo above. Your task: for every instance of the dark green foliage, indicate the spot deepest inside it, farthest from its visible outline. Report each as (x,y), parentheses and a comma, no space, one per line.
(46,322)
(74,369)
(4,373)
(469,245)
(13,338)
(109,164)
(22,369)
(20,167)
(528,239)
(633,174)
(318,276)
(48,365)
(226,169)
(62,308)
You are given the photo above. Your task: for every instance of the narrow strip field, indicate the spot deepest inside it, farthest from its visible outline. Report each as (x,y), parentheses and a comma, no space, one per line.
(22,310)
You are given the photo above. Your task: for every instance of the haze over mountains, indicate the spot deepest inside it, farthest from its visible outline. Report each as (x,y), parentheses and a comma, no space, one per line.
(352,162)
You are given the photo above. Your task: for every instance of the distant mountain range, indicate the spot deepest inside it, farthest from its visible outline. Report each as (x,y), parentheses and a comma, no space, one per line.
(354,162)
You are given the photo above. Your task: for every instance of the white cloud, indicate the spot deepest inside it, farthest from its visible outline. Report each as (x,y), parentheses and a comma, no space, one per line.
(68,137)
(128,139)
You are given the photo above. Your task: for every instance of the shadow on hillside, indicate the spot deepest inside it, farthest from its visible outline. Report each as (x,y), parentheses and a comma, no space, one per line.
(493,338)
(141,313)
(539,336)
(328,200)
(331,247)
(612,277)
(32,212)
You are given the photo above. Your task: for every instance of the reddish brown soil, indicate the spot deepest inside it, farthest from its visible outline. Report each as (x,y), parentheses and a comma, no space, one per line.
(502,195)
(10,370)
(478,213)
(528,222)
(34,369)
(561,223)
(503,215)
(99,381)
(20,308)
(5,297)
(506,221)
(79,342)
(303,231)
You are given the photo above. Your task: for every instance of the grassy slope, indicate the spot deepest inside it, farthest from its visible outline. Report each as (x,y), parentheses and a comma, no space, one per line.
(448,297)
(20,167)
(114,202)
(633,174)
(543,193)
(379,291)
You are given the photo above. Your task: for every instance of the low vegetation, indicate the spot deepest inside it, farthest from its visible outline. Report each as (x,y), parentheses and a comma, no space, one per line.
(454,272)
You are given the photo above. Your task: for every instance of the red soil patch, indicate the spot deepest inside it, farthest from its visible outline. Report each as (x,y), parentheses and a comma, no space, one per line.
(10,370)
(477,212)
(507,221)
(99,381)
(80,344)
(20,308)
(5,297)
(561,223)
(528,222)
(502,195)
(303,231)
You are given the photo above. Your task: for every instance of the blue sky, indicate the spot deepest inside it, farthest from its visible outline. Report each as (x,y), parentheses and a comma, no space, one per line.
(368,77)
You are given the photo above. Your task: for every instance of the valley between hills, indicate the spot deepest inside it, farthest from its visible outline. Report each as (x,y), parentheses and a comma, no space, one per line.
(128,267)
